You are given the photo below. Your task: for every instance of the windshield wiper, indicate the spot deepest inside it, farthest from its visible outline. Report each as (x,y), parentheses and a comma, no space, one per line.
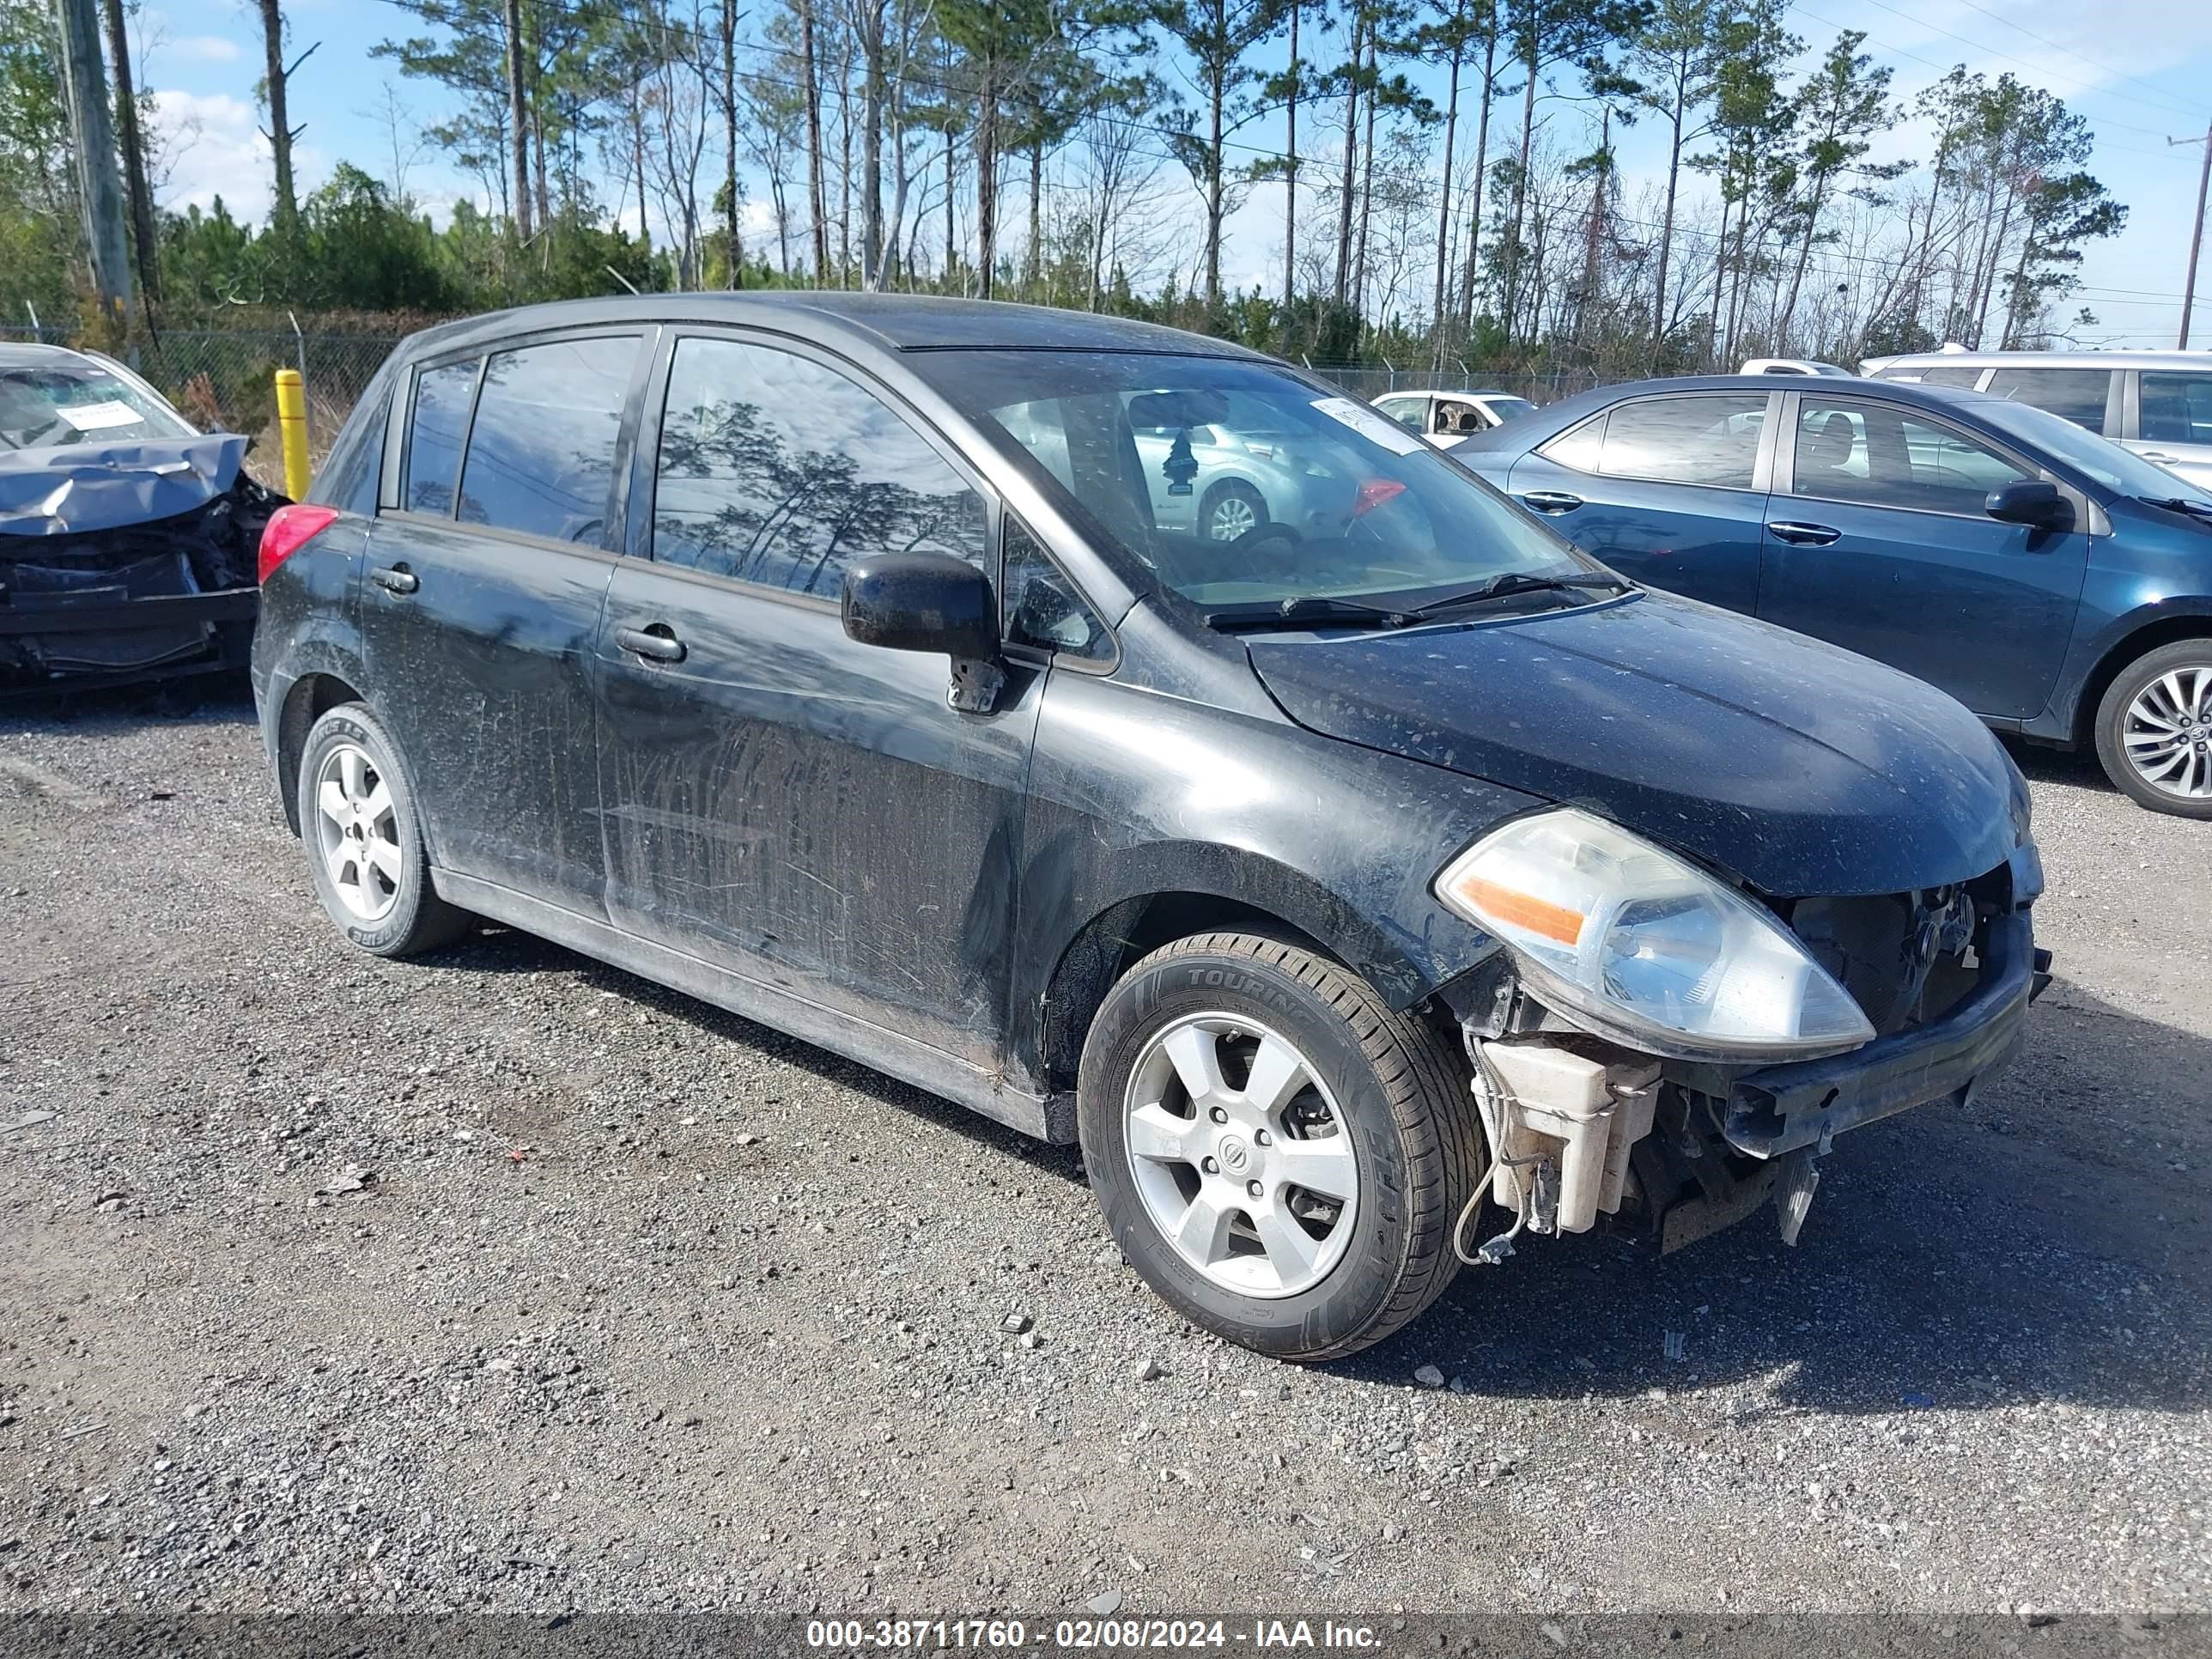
(1309,607)
(2192,506)
(1516,581)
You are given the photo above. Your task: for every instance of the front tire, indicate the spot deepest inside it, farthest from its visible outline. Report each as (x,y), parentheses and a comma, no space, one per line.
(363,835)
(1231,510)
(1278,1153)
(2155,729)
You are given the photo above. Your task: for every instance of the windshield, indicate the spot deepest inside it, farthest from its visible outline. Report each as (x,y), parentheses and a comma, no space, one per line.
(1237,484)
(54,404)
(2117,468)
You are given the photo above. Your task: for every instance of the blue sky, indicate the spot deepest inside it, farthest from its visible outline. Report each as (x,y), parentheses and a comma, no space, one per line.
(2135,69)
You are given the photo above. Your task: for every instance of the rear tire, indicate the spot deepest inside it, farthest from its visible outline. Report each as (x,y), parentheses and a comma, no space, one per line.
(1248,1235)
(2155,729)
(363,835)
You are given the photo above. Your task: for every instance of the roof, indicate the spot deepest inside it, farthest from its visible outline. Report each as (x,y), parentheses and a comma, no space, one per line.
(897,322)
(1531,430)
(2123,358)
(1443,392)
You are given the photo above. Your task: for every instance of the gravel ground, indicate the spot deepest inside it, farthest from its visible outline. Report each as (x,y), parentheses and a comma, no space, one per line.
(627,1303)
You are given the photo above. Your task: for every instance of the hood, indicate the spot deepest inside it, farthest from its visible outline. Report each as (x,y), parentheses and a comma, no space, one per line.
(1802,768)
(86,487)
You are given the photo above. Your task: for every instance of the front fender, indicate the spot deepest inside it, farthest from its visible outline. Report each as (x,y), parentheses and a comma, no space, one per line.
(1132,795)
(2107,621)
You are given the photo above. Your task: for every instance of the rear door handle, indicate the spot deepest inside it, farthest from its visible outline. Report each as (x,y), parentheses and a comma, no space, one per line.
(1804,535)
(1551,500)
(395,579)
(658,643)
(2158,455)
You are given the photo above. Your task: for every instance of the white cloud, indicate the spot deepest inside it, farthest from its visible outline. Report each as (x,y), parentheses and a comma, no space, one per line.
(214,148)
(202,49)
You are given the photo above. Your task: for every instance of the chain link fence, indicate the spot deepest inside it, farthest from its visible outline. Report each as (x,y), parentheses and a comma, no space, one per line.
(222,380)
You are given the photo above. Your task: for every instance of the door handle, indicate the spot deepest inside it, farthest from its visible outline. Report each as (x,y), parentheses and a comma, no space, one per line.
(2158,455)
(1551,500)
(395,579)
(1804,535)
(655,644)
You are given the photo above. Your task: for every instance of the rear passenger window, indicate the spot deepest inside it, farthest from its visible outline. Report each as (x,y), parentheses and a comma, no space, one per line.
(2177,409)
(1967,377)
(542,450)
(777,469)
(434,435)
(2076,394)
(1711,441)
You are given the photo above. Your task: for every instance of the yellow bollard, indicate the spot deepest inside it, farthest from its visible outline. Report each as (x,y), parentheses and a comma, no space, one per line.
(292,430)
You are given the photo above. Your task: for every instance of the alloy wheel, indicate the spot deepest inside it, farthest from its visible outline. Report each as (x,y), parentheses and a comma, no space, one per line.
(2167,733)
(1240,1155)
(357,832)
(1232,516)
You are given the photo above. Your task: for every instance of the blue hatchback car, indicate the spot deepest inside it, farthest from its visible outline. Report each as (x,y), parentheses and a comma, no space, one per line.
(2058,585)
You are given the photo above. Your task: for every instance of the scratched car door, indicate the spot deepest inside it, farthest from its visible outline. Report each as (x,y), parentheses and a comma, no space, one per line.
(779,800)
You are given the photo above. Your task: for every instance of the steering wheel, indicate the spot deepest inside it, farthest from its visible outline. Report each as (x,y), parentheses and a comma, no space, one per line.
(1243,545)
(1259,532)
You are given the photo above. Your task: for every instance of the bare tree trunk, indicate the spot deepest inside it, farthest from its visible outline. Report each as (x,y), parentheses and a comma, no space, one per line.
(133,145)
(1214,204)
(869,22)
(815,202)
(537,149)
(1797,277)
(1717,345)
(845,166)
(951,220)
(1291,172)
(1444,219)
(286,207)
(517,116)
(1036,262)
(1481,165)
(1351,159)
(637,152)
(1366,188)
(986,182)
(1667,223)
(1513,260)
(735,251)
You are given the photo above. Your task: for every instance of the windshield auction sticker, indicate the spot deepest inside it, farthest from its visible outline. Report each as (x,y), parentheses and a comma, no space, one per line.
(97,417)
(1368,424)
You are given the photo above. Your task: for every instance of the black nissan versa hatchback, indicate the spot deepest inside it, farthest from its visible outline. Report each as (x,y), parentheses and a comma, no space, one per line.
(1365,891)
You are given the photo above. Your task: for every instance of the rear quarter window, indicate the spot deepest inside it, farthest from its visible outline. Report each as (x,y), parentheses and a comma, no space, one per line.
(2078,395)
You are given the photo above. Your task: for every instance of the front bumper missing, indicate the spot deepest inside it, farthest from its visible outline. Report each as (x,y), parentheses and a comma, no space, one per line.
(1781,1108)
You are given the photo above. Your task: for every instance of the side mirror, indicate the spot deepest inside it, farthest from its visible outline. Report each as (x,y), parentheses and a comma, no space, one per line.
(2032,502)
(929,602)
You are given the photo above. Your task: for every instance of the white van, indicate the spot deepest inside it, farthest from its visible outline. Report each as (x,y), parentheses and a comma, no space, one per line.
(2159,403)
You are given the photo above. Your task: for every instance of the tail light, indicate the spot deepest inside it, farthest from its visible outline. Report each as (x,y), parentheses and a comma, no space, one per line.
(1372,494)
(289,530)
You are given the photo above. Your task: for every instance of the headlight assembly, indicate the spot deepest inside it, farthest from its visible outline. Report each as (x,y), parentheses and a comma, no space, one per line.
(1645,948)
